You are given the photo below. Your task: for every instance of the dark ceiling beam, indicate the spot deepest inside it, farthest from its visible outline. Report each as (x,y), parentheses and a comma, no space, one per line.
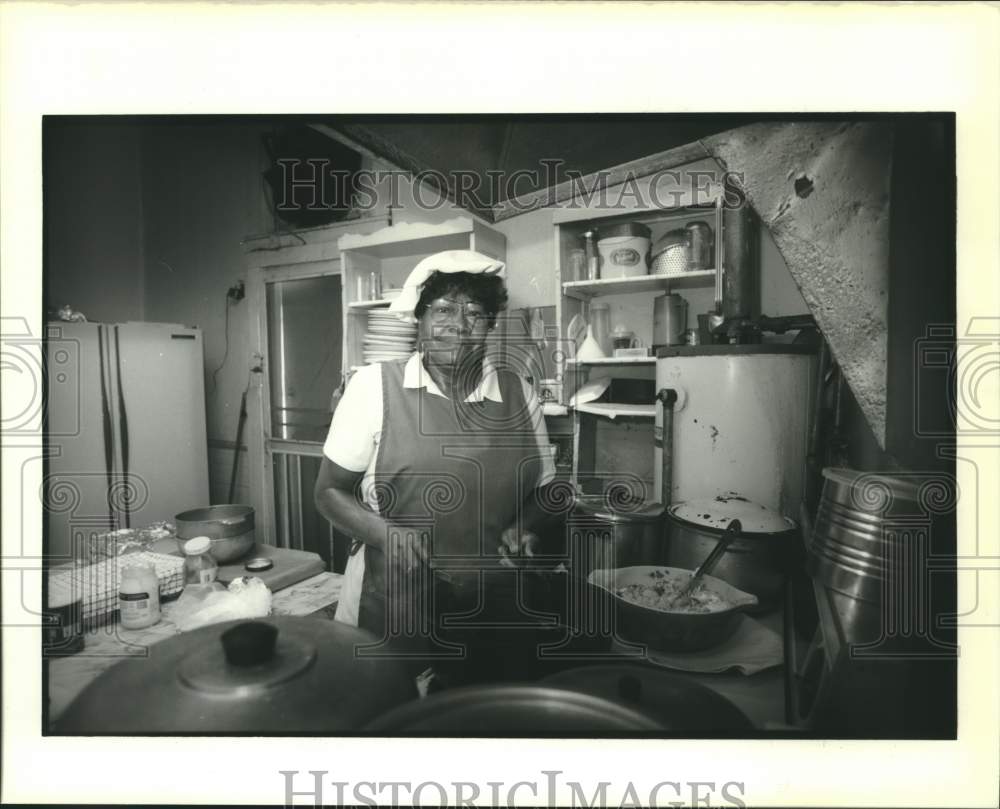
(375,145)
(616,175)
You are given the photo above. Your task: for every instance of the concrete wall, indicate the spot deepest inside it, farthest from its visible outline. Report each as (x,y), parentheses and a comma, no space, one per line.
(202,194)
(93,220)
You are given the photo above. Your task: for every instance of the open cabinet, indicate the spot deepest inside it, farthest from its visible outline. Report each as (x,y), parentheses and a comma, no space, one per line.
(630,302)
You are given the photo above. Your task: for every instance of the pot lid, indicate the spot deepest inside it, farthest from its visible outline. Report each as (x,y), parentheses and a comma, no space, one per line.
(612,508)
(276,675)
(513,710)
(717,512)
(681,705)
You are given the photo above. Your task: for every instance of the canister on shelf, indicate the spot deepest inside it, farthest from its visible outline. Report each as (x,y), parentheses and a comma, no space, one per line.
(578,264)
(701,241)
(593,258)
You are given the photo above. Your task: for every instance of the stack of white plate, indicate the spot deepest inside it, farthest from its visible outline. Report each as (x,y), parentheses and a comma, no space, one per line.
(388,337)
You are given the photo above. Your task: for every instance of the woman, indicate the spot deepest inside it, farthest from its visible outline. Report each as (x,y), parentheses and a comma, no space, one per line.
(432,464)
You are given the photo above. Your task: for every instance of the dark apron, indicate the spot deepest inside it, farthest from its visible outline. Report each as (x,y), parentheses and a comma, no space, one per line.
(457,472)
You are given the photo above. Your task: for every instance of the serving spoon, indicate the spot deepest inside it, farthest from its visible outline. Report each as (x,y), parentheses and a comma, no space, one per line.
(732,531)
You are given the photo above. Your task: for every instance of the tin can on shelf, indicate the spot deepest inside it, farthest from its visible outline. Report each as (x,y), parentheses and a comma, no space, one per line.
(701,246)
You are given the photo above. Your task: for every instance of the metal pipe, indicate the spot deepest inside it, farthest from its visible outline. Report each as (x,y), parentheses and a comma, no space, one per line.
(741,292)
(668,398)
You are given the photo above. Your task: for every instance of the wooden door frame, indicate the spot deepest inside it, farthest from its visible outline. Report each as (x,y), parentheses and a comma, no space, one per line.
(260,443)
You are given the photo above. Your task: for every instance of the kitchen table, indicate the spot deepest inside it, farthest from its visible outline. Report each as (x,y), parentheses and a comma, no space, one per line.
(104,646)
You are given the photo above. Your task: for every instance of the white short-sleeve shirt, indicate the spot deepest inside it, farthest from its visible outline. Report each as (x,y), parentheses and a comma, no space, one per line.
(356,430)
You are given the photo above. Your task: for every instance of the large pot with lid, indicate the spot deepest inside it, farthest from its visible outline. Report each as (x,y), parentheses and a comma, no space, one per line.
(610,531)
(275,675)
(757,561)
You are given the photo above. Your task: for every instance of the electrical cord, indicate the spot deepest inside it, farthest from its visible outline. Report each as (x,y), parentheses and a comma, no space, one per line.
(225,354)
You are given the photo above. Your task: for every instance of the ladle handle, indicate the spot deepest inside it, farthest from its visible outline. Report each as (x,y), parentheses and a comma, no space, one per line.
(732,531)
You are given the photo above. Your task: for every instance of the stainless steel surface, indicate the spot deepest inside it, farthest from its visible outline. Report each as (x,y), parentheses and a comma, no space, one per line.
(670,631)
(674,700)
(312,682)
(603,534)
(757,563)
(512,710)
(863,542)
(732,531)
(669,319)
(229,527)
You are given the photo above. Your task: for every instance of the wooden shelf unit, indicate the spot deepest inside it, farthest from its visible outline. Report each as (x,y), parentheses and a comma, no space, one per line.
(575,297)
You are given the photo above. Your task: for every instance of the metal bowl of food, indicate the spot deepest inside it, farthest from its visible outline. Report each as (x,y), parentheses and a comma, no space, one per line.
(229,527)
(643,609)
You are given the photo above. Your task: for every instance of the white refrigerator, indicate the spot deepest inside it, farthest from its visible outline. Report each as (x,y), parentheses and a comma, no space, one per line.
(126,442)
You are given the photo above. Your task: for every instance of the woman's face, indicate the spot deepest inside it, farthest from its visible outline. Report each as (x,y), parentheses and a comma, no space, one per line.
(452,328)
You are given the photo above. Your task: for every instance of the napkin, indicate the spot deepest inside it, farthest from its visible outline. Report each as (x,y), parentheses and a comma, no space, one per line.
(752,648)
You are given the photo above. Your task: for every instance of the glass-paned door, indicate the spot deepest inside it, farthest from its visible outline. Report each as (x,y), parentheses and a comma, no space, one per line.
(304,328)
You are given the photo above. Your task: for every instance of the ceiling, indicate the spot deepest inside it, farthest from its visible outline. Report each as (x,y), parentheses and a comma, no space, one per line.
(482,144)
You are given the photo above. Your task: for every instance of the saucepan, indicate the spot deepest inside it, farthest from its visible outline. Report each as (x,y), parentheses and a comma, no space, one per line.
(230,527)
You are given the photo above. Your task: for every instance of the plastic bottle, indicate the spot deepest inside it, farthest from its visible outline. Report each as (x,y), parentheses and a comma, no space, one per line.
(139,596)
(199,566)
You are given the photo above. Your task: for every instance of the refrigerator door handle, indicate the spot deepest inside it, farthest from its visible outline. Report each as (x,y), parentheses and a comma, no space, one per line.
(106,423)
(123,428)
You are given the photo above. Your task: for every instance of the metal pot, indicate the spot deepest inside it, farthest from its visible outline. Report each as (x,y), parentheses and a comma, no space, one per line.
(677,703)
(231,529)
(512,710)
(758,561)
(275,675)
(609,533)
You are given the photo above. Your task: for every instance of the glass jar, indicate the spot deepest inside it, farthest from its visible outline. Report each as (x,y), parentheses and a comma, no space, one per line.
(139,596)
(701,246)
(593,257)
(199,565)
(600,322)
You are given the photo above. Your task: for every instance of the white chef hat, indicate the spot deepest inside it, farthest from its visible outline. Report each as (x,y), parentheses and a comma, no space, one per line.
(447,261)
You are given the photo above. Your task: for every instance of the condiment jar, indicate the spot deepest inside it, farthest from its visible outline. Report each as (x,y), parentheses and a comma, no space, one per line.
(593,257)
(139,596)
(701,252)
(600,320)
(199,565)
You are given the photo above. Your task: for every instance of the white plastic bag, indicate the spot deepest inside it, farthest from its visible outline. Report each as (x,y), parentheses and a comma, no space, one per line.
(201,605)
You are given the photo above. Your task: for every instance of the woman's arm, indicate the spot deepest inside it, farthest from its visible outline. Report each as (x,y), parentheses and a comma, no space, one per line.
(336,497)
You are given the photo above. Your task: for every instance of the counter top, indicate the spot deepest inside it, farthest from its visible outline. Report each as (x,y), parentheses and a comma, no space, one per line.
(106,645)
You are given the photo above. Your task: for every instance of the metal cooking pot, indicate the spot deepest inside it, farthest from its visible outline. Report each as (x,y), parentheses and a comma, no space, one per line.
(275,675)
(758,560)
(512,710)
(608,532)
(231,529)
(677,703)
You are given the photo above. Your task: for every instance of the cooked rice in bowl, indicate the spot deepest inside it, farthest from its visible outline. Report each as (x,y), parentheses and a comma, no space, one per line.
(660,592)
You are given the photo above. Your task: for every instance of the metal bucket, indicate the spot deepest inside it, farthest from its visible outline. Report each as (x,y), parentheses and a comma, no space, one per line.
(862,545)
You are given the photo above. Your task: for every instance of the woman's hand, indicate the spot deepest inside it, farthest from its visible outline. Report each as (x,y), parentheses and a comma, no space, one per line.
(407,549)
(515,542)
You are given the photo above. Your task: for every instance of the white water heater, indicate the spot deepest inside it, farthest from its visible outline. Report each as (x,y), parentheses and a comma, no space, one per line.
(741,421)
